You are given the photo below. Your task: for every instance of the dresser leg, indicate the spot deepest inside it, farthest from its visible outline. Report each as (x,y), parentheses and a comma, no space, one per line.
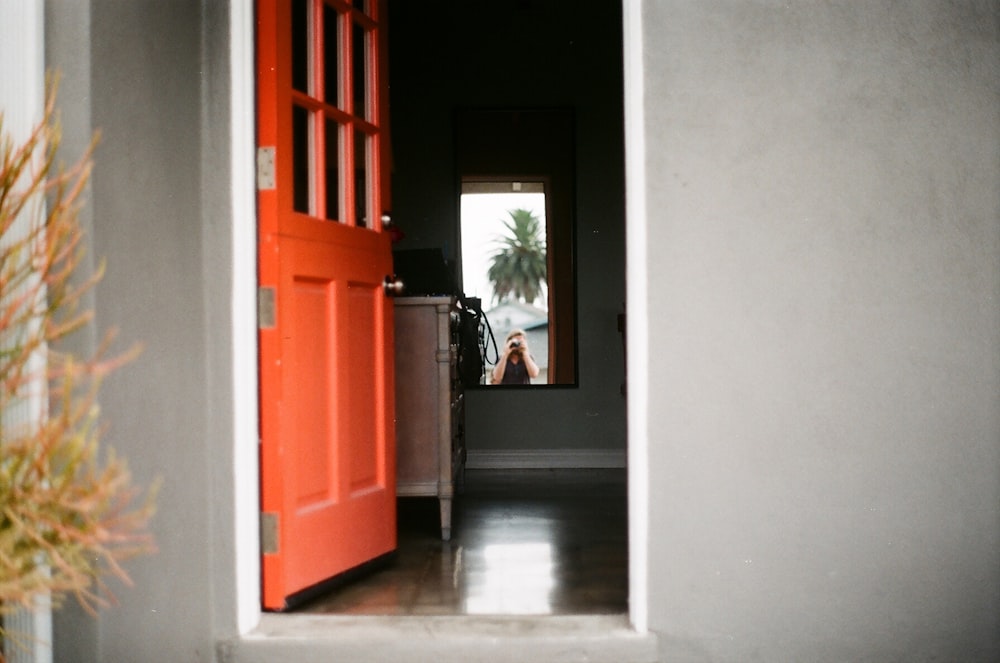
(445,518)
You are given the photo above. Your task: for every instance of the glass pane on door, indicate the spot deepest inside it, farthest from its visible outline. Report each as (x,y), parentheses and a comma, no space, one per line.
(331,55)
(300,45)
(360,179)
(301,160)
(360,70)
(333,183)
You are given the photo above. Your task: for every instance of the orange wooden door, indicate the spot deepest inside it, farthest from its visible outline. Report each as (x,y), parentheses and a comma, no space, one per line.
(326,365)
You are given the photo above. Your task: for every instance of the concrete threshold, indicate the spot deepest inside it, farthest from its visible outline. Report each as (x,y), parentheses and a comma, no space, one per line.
(442,639)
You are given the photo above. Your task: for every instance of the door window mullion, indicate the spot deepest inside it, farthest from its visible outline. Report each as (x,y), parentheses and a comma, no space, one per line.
(335,108)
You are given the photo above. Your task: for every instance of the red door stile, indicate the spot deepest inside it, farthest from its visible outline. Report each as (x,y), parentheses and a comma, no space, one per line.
(268,29)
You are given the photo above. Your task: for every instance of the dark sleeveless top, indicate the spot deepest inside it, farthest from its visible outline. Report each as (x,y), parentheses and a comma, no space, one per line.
(515,373)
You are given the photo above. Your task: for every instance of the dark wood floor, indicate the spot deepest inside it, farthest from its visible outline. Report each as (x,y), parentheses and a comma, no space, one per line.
(524,542)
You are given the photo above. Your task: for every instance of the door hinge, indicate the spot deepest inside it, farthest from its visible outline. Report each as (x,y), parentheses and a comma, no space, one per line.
(265,169)
(265,307)
(268,533)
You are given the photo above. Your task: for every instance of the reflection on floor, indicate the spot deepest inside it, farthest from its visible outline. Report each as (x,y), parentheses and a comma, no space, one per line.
(525,542)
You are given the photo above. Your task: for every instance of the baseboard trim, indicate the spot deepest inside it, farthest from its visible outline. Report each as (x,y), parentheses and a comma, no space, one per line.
(543,459)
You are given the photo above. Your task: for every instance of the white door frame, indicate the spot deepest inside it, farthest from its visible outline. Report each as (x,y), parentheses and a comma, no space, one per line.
(260,635)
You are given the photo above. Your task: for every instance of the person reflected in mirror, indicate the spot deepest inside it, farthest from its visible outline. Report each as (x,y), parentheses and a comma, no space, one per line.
(516,365)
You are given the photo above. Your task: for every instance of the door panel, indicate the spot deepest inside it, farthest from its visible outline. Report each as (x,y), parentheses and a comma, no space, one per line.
(326,369)
(332,435)
(363,370)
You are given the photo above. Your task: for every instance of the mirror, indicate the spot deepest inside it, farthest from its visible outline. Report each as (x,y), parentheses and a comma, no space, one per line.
(516,227)
(505,265)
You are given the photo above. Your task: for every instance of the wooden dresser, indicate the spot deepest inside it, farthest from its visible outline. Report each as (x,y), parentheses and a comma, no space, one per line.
(430,444)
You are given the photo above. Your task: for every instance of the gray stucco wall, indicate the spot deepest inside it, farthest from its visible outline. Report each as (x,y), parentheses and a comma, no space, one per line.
(152,78)
(67,29)
(824,233)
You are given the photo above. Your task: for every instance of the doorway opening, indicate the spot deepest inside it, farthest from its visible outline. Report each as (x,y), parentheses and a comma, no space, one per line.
(405,215)
(264,636)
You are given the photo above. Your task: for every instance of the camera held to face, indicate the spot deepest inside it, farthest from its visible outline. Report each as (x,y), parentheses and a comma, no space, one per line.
(515,344)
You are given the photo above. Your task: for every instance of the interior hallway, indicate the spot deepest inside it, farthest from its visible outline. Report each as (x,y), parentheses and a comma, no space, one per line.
(525,542)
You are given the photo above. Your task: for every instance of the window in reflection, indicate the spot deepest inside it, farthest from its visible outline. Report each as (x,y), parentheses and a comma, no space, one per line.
(512,579)
(505,261)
